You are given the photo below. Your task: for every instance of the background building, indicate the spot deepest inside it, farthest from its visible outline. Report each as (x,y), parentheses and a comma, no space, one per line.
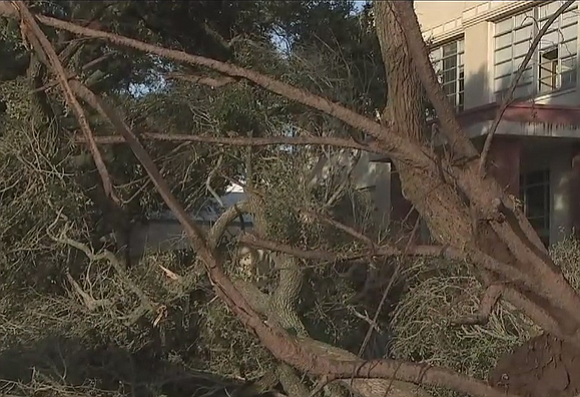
(476,47)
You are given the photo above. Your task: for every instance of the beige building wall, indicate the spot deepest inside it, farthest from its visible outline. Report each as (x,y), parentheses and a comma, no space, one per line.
(444,21)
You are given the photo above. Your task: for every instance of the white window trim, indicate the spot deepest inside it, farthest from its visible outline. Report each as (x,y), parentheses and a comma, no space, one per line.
(459,96)
(534,62)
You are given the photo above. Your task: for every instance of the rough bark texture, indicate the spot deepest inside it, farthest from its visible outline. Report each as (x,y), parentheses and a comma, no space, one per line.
(543,367)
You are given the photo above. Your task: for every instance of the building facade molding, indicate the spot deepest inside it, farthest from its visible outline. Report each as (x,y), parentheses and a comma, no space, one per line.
(487,11)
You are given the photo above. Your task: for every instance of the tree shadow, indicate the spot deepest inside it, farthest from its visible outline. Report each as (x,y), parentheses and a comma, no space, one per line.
(65,365)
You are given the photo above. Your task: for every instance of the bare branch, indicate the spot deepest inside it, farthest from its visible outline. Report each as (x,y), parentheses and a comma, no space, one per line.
(46,51)
(510,92)
(241,141)
(390,143)
(341,226)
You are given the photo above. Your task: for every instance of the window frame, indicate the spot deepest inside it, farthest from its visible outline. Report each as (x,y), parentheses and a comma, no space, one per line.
(545,218)
(531,18)
(458,81)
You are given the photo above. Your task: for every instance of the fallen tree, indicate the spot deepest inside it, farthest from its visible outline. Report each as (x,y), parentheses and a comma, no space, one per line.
(466,210)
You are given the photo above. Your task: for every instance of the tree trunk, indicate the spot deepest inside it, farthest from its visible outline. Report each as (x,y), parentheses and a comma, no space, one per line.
(447,211)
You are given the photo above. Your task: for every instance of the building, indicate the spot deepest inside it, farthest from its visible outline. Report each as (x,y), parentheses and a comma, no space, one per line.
(476,47)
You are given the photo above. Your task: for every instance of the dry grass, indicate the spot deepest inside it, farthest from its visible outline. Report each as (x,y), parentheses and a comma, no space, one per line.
(440,291)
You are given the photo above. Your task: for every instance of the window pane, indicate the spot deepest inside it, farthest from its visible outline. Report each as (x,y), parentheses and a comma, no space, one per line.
(524,33)
(536,205)
(502,83)
(570,16)
(569,32)
(449,88)
(503,40)
(538,223)
(521,49)
(550,39)
(568,64)
(504,26)
(503,69)
(450,75)
(503,55)
(450,49)
(568,79)
(460,44)
(545,11)
(524,19)
(568,73)
(568,48)
(528,74)
(523,91)
(449,63)
(536,177)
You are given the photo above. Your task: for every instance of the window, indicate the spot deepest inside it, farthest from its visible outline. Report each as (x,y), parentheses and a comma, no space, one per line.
(448,64)
(553,67)
(535,196)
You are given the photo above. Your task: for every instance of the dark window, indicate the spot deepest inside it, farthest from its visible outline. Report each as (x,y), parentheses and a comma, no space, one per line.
(535,196)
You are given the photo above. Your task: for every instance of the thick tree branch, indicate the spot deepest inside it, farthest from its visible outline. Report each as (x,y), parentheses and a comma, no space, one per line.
(407,19)
(205,80)
(510,92)
(46,51)
(390,142)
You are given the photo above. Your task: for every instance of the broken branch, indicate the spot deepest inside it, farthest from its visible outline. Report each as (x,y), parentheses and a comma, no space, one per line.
(46,51)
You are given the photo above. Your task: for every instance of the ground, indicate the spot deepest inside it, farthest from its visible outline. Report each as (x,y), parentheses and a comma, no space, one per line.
(542,367)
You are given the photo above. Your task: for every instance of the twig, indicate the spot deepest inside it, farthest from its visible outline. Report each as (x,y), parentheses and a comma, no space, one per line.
(46,51)
(387,290)
(240,141)
(391,143)
(113,260)
(490,297)
(90,302)
(508,98)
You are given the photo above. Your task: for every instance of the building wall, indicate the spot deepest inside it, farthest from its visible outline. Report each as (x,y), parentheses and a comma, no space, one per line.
(442,21)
